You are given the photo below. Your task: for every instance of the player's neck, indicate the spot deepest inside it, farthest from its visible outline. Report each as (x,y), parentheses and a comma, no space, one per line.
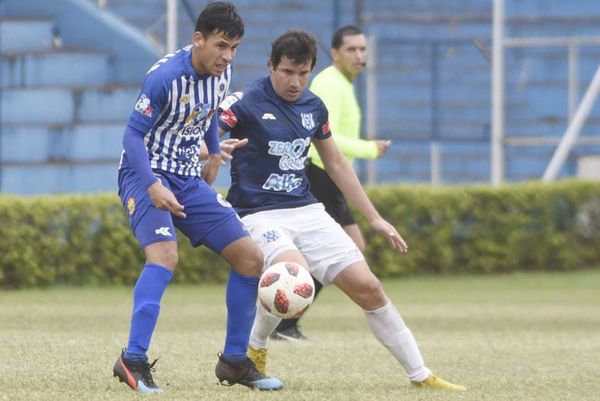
(196,64)
(349,76)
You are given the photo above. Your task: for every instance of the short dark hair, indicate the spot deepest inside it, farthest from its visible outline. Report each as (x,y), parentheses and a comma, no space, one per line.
(338,36)
(220,16)
(297,45)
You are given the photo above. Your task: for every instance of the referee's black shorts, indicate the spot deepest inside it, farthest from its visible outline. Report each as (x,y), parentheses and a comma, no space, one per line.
(326,192)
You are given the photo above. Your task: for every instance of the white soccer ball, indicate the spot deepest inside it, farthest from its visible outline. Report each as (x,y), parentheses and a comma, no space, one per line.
(286,290)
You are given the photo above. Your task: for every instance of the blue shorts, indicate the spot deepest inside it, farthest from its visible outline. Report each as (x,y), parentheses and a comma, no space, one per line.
(210,221)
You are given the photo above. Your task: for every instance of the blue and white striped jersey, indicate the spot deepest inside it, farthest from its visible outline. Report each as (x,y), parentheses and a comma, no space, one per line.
(174,109)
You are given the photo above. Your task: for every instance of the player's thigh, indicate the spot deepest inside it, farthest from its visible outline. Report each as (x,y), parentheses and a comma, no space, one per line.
(360,284)
(268,235)
(291,255)
(210,219)
(244,256)
(323,243)
(149,224)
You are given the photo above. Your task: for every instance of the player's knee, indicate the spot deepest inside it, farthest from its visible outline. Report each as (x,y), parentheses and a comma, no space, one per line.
(167,257)
(370,295)
(255,262)
(171,259)
(251,264)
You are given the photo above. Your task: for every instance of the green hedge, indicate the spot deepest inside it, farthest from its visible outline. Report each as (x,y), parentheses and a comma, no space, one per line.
(87,240)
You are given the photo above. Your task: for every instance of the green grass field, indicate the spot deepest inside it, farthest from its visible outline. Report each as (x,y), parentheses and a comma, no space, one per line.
(516,337)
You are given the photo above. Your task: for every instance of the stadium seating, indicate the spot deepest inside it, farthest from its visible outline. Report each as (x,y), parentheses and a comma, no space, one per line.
(68,80)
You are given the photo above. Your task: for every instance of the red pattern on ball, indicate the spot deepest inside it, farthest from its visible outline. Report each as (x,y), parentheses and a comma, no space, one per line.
(292,269)
(305,290)
(269,279)
(281,301)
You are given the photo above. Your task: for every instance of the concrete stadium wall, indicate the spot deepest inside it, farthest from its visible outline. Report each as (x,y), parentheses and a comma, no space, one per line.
(433,81)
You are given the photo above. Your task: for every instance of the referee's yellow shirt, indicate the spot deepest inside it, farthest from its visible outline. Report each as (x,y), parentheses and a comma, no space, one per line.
(337,92)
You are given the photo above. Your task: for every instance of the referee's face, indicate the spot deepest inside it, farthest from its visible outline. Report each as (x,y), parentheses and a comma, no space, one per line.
(351,57)
(289,79)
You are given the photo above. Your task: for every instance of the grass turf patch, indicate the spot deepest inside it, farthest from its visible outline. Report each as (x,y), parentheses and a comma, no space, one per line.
(512,337)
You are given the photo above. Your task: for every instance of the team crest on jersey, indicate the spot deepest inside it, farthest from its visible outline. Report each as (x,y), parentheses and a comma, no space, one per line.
(131,205)
(221,87)
(185,99)
(307,121)
(143,106)
(199,114)
(223,201)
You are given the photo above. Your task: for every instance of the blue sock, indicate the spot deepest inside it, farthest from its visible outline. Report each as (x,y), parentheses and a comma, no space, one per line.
(147,293)
(240,298)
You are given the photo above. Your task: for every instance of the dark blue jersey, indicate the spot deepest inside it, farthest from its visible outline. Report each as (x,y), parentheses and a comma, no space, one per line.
(268,173)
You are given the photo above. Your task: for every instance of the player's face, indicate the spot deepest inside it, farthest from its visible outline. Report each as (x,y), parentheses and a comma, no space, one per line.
(212,54)
(289,79)
(351,56)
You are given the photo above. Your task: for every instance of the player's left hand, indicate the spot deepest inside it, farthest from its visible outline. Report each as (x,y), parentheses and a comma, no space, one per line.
(228,146)
(211,168)
(389,231)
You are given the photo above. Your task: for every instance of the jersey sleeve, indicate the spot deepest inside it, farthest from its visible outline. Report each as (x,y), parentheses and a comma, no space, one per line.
(152,100)
(230,111)
(323,131)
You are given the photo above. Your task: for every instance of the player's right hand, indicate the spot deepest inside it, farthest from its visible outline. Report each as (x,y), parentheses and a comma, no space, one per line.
(389,232)
(164,199)
(382,146)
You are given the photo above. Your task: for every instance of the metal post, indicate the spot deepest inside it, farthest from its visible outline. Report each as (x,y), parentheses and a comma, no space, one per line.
(435,153)
(358,13)
(573,52)
(2,14)
(171,26)
(337,11)
(497,139)
(572,132)
(372,104)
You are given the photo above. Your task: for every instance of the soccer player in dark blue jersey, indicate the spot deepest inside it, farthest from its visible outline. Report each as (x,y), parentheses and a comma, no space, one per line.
(270,190)
(162,186)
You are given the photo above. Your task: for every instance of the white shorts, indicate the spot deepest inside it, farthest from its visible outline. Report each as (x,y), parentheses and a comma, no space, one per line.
(309,229)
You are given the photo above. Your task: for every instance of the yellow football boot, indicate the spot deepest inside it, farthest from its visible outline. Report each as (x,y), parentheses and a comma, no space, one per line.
(259,357)
(435,383)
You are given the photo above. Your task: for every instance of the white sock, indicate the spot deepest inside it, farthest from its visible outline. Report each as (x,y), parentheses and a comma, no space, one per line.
(264,324)
(389,328)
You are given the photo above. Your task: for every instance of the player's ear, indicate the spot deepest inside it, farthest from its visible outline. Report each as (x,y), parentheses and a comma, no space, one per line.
(270,65)
(197,39)
(333,54)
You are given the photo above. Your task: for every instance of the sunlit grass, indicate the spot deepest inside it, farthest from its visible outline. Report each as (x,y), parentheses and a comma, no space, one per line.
(516,337)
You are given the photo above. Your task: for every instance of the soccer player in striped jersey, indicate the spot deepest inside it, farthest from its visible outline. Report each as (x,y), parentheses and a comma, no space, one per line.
(162,186)
(270,190)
